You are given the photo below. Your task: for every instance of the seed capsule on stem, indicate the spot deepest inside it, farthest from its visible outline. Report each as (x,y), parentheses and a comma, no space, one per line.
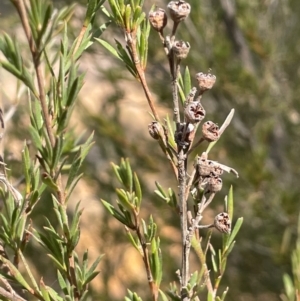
(222,222)
(181,49)
(179,10)
(158,19)
(205,81)
(210,131)
(194,112)
(214,184)
(155,130)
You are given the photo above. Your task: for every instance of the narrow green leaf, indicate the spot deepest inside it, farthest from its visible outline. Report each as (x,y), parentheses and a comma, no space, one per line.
(72,186)
(214,264)
(92,4)
(159,194)
(35,137)
(133,242)
(95,264)
(224,294)
(180,86)
(62,283)
(156,261)
(90,277)
(45,21)
(57,151)
(137,188)
(75,88)
(230,248)
(140,19)
(26,167)
(170,133)
(124,200)
(136,15)
(160,189)
(163,296)
(129,182)
(73,172)
(235,231)
(173,198)
(187,81)
(230,203)
(54,294)
(85,295)
(110,48)
(127,18)
(114,212)
(59,265)
(35,196)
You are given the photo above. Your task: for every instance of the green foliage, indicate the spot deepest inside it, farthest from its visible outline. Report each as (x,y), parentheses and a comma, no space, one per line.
(53,152)
(262,143)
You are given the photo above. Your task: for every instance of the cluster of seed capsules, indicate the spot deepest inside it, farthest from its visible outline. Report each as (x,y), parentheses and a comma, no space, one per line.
(207,176)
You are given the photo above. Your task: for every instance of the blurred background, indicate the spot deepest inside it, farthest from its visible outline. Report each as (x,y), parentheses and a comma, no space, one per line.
(253,49)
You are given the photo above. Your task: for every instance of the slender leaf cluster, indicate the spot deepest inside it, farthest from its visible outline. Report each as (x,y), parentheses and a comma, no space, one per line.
(52,163)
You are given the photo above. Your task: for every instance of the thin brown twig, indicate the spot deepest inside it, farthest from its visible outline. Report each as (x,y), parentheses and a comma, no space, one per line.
(131,42)
(13,296)
(195,145)
(80,38)
(183,224)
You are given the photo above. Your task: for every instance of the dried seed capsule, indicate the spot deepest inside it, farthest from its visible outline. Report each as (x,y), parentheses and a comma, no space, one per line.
(194,112)
(216,171)
(158,19)
(222,223)
(155,130)
(208,168)
(210,131)
(205,167)
(214,184)
(179,10)
(205,81)
(181,49)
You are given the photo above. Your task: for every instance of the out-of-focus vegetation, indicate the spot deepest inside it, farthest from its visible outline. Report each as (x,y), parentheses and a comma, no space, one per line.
(253,49)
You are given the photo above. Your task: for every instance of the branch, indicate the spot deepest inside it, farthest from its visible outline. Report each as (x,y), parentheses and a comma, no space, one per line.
(13,296)
(131,42)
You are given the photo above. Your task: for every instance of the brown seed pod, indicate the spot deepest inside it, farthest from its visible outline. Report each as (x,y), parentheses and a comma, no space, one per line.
(181,49)
(210,131)
(158,19)
(222,223)
(205,81)
(214,184)
(208,168)
(194,112)
(155,130)
(179,10)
